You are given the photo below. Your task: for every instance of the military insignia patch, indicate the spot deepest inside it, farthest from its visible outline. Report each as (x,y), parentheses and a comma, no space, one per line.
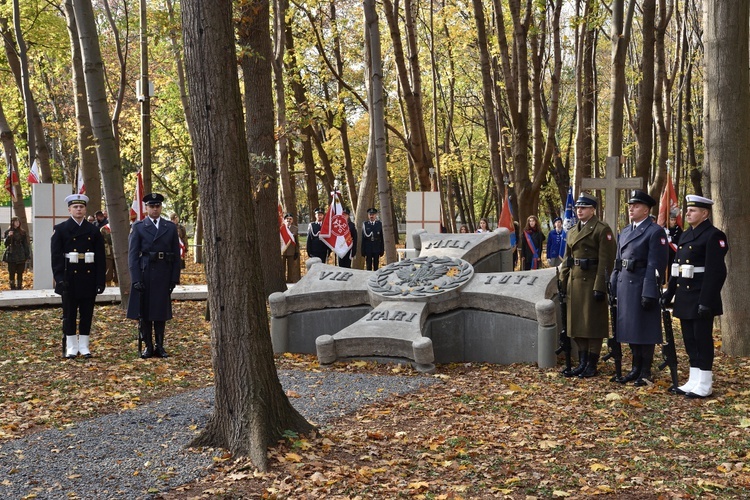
(722,243)
(609,236)
(663,241)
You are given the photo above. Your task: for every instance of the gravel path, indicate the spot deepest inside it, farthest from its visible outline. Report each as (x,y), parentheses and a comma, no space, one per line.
(137,453)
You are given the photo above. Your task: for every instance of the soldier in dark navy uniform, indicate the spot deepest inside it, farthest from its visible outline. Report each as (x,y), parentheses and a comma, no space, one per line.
(154,264)
(698,274)
(372,240)
(589,257)
(79,269)
(641,253)
(346,261)
(315,246)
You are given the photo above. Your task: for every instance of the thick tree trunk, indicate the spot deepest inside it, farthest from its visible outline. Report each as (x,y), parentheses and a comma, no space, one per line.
(84,134)
(584,97)
(620,37)
(726,171)
(378,130)
(9,155)
(254,34)
(646,102)
(106,149)
(490,117)
(252,411)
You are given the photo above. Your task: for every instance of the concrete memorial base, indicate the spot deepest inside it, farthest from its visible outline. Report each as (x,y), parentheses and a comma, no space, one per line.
(435,308)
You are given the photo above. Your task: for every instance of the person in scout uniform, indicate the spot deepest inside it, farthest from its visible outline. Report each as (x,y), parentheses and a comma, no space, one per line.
(556,243)
(154,264)
(697,276)
(79,269)
(315,246)
(290,254)
(642,252)
(373,246)
(590,256)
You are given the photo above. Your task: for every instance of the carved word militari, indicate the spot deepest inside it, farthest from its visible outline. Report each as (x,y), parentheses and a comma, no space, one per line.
(408,317)
(509,279)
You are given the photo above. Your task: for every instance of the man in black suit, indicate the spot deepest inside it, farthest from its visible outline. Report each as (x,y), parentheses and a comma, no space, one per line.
(79,269)
(698,274)
(154,263)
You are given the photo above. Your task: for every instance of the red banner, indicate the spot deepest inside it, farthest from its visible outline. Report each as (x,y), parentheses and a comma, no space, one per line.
(667,204)
(335,230)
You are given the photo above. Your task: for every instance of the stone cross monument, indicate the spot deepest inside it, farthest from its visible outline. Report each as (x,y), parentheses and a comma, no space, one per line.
(610,184)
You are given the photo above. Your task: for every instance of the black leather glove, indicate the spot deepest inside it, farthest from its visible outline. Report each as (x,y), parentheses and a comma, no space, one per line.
(61,287)
(704,312)
(99,289)
(138,285)
(598,296)
(648,303)
(171,287)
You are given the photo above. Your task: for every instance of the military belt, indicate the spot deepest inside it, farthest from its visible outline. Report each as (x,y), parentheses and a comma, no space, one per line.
(629,264)
(584,262)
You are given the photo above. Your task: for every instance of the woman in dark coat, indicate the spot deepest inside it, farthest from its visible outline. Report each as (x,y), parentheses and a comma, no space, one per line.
(17,252)
(532,241)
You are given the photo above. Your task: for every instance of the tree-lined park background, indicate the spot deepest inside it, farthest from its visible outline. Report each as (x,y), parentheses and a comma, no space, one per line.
(477,97)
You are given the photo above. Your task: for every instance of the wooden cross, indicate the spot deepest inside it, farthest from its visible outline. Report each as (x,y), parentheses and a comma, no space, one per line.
(610,184)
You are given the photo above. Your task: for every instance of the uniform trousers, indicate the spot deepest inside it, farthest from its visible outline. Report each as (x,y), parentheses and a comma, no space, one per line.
(699,342)
(71,308)
(372,262)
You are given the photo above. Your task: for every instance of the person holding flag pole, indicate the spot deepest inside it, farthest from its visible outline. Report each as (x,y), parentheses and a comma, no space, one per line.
(289,247)
(334,232)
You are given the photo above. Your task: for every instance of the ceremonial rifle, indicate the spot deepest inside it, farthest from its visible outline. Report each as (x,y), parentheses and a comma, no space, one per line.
(141,319)
(564,340)
(615,349)
(668,350)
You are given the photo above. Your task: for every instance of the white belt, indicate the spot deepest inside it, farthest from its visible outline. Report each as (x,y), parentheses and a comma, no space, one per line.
(75,257)
(686,270)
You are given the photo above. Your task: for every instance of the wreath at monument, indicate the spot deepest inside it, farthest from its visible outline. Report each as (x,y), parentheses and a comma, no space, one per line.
(421,277)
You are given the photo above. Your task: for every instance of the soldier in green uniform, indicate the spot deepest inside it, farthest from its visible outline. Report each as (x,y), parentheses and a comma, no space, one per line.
(590,255)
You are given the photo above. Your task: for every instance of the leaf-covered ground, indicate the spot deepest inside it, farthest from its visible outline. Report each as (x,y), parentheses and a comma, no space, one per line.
(485,432)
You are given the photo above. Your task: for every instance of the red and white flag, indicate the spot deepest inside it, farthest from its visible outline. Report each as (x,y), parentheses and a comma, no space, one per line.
(667,204)
(335,229)
(11,179)
(285,234)
(33,177)
(138,208)
(81,185)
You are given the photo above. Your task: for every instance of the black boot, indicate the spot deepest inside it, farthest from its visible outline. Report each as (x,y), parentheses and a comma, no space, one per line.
(582,359)
(636,370)
(647,358)
(19,285)
(12,285)
(590,370)
(148,352)
(159,351)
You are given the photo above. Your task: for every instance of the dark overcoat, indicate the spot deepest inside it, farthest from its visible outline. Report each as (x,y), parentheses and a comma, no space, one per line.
(154,260)
(372,239)
(588,318)
(646,250)
(315,246)
(82,278)
(353,232)
(705,246)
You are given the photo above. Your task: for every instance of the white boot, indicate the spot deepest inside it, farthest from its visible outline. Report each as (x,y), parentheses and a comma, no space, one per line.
(704,387)
(691,382)
(83,346)
(71,346)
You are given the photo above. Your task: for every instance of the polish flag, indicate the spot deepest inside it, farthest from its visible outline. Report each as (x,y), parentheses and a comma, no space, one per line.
(33,177)
(138,208)
(11,179)
(335,230)
(506,219)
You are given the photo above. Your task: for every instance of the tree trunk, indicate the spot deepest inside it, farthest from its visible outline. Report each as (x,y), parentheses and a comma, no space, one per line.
(585,97)
(252,412)
(490,118)
(84,134)
(646,102)
(378,130)
(418,144)
(254,35)
(620,37)
(726,172)
(9,154)
(118,207)
(17,60)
